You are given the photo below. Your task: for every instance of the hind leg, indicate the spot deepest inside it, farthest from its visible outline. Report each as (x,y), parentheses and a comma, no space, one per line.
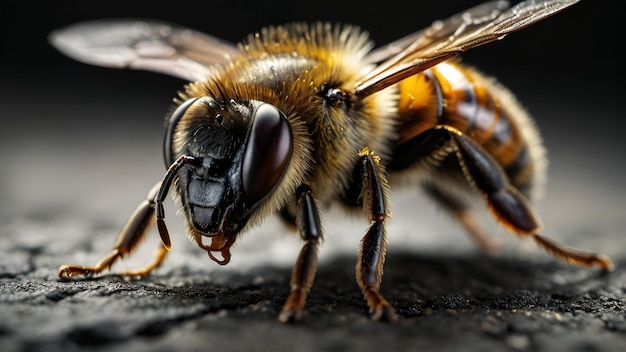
(509,206)
(462,213)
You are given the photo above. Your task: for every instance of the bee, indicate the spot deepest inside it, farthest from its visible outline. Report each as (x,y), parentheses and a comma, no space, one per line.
(300,116)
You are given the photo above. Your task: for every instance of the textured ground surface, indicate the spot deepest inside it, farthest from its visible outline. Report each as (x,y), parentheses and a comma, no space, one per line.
(80,147)
(459,301)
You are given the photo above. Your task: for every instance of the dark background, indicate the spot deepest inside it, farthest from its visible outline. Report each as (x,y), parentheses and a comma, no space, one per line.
(565,70)
(80,146)
(569,59)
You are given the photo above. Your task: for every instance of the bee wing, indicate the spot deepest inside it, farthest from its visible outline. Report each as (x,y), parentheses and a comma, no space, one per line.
(439,29)
(143,45)
(443,39)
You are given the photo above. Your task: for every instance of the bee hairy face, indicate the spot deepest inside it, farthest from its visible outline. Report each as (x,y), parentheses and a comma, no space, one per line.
(241,150)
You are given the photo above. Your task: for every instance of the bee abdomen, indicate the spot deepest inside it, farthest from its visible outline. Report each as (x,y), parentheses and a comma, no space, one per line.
(457,96)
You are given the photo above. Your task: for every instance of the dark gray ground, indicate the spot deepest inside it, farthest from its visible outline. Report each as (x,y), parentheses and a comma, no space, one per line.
(456,301)
(80,147)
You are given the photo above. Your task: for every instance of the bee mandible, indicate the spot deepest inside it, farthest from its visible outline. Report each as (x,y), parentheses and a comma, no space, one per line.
(299,116)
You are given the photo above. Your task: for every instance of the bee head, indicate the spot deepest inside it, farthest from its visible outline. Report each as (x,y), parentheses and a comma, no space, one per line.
(241,150)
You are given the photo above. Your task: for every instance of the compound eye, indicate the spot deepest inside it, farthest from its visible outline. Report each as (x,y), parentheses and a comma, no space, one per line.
(267,153)
(177,115)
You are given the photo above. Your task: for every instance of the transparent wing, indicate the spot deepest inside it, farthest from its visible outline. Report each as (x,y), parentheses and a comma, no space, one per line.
(439,29)
(143,45)
(443,39)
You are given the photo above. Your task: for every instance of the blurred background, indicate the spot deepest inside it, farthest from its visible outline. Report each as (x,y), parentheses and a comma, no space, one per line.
(83,143)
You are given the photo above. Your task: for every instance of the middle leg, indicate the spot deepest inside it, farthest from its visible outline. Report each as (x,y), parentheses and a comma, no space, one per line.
(370,190)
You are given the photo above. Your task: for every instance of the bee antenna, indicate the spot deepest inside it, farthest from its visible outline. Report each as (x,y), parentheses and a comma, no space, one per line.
(163,189)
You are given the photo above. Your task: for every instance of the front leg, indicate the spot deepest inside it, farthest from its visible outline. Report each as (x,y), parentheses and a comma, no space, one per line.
(370,190)
(310,229)
(131,235)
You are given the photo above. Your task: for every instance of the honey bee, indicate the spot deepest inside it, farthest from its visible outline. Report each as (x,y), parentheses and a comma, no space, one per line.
(299,116)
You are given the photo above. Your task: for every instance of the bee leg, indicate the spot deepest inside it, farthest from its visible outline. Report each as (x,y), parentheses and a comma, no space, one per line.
(310,229)
(127,240)
(462,213)
(509,206)
(370,190)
